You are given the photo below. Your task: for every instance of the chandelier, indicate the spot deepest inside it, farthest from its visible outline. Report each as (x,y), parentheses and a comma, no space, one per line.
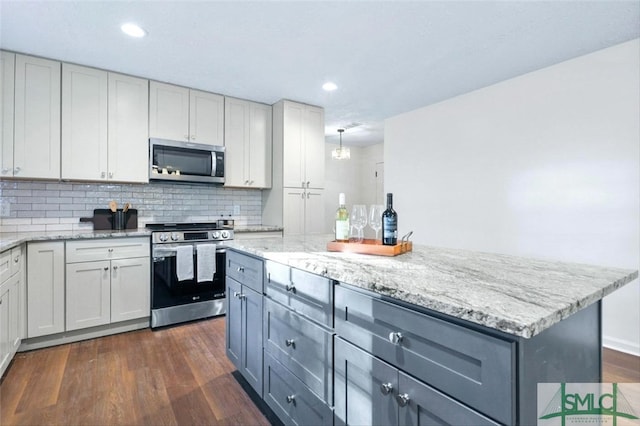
(341,153)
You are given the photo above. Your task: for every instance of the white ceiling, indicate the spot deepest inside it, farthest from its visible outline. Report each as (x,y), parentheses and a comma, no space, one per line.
(387,57)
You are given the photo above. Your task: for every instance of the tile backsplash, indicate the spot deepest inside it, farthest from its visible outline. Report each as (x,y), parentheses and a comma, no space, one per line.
(58,206)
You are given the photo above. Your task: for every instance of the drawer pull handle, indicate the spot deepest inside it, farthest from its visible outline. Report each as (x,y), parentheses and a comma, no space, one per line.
(403,399)
(291,287)
(395,337)
(291,399)
(238,295)
(386,388)
(290,342)
(240,269)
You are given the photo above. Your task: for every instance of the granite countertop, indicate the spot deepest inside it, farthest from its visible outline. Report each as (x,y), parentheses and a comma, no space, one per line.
(257,228)
(9,240)
(516,295)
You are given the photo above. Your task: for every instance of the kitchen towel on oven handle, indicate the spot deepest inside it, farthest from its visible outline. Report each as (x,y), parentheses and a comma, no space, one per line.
(184,263)
(206,262)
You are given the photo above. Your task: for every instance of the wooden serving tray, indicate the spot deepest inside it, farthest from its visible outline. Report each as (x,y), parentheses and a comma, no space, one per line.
(368,246)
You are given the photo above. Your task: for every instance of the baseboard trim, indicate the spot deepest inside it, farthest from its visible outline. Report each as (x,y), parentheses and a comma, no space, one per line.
(621,345)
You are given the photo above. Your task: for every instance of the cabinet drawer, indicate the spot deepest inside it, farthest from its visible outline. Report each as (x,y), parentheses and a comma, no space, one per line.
(303,347)
(245,269)
(308,294)
(474,368)
(106,249)
(10,263)
(290,399)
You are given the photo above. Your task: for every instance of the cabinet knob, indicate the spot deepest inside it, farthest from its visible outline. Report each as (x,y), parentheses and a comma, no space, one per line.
(16,259)
(395,337)
(110,250)
(240,268)
(110,175)
(17,170)
(291,287)
(291,399)
(246,182)
(386,388)
(103,175)
(290,342)
(238,295)
(302,184)
(308,183)
(115,267)
(106,268)
(403,399)
(250,182)
(5,171)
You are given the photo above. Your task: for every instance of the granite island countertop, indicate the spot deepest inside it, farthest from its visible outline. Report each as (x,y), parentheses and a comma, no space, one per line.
(515,295)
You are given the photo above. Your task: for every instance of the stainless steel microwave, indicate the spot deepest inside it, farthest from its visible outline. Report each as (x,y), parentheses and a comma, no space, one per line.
(185,161)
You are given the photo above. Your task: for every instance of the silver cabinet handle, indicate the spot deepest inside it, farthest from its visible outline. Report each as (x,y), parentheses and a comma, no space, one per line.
(103,175)
(386,388)
(110,175)
(395,337)
(290,287)
(246,182)
(17,170)
(5,171)
(239,295)
(308,184)
(290,342)
(115,267)
(110,250)
(403,399)
(291,399)
(106,268)
(16,259)
(240,268)
(302,184)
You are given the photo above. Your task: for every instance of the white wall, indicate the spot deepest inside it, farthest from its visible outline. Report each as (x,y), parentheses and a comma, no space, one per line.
(543,165)
(355,177)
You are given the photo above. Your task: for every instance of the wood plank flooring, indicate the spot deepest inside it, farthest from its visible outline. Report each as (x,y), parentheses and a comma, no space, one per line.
(173,376)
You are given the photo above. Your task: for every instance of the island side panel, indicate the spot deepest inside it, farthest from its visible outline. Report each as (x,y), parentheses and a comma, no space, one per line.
(569,351)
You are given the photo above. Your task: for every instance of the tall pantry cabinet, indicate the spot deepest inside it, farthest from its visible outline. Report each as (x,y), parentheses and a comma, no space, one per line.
(295,200)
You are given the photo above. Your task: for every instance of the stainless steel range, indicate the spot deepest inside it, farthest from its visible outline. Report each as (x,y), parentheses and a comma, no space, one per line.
(188,270)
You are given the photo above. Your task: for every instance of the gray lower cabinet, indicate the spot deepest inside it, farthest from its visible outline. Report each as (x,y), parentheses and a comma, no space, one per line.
(369,391)
(474,368)
(244,328)
(290,399)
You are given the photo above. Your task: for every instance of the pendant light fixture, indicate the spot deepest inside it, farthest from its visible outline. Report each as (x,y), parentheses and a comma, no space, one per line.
(341,153)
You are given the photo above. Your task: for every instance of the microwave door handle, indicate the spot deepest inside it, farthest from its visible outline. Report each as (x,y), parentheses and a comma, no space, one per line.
(214,164)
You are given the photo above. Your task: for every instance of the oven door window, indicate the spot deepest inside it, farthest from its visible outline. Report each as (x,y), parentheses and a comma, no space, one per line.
(168,291)
(194,162)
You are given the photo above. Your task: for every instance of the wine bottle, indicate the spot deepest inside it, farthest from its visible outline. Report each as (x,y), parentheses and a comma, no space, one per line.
(389,223)
(342,220)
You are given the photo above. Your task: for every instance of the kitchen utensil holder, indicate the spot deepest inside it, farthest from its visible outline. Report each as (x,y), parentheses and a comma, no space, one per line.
(119,220)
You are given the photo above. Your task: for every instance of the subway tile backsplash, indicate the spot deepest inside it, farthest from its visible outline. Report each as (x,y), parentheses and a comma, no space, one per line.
(58,206)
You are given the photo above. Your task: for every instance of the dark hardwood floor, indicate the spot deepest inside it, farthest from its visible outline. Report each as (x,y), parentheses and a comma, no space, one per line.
(173,376)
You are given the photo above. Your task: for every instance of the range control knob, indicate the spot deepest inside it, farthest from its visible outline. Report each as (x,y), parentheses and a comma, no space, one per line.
(175,236)
(225,235)
(164,237)
(215,235)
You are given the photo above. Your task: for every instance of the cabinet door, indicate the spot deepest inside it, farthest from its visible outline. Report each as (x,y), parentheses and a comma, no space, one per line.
(293,146)
(130,289)
(128,147)
(206,118)
(84,123)
(88,294)
(233,322)
(314,160)
(314,212)
(427,406)
(236,135)
(168,111)
(7,78)
(5,325)
(293,211)
(364,387)
(259,146)
(45,288)
(37,118)
(252,338)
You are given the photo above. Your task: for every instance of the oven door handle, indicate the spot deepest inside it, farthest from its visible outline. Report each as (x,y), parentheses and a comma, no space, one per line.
(171,252)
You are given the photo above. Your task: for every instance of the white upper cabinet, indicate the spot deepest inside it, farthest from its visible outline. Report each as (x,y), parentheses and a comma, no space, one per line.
(36,143)
(303,145)
(247,144)
(128,130)
(7,78)
(182,114)
(104,125)
(84,122)
(206,118)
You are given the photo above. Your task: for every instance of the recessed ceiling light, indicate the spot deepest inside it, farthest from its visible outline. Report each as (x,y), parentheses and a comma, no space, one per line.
(133,30)
(329,86)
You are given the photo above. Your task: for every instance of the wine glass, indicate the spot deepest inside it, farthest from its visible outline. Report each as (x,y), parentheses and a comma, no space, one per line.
(375,217)
(358,219)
